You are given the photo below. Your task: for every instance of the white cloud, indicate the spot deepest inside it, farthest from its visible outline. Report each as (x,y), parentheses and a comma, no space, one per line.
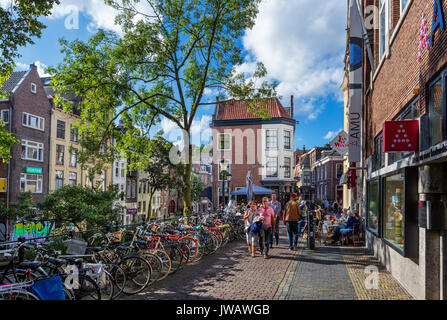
(331,134)
(301,43)
(102,15)
(168,126)
(41,67)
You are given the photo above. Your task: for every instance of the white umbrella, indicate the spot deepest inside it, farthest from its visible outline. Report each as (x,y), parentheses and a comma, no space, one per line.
(249,184)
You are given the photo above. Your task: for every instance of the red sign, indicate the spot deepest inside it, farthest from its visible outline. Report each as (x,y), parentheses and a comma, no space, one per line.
(401,136)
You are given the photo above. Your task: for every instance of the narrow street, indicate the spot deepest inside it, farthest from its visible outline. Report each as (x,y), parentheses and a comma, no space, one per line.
(326,273)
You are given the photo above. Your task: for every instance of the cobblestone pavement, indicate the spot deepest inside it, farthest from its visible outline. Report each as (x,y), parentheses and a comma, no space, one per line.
(327,273)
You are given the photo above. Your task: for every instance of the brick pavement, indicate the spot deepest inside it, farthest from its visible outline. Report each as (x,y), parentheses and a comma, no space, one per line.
(327,273)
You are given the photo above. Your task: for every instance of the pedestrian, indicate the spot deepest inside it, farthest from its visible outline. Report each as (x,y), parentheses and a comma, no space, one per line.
(276,206)
(268,215)
(291,217)
(249,216)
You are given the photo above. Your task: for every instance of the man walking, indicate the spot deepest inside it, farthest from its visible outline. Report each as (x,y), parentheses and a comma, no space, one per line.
(276,206)
(291,217)
(268,215)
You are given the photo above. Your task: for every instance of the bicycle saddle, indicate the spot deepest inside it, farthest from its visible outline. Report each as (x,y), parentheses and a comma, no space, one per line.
(30,264)
(94,249)
(74,260)
(57,262)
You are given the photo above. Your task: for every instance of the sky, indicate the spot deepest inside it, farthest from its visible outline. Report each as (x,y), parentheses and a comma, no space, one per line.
(300,42)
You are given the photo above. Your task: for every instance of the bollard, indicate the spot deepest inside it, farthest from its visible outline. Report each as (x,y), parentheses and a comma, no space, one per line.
(310,230)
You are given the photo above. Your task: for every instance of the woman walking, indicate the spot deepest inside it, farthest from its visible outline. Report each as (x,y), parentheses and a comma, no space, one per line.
(249,216)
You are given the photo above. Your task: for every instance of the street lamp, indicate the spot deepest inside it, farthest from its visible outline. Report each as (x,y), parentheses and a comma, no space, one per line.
(225,174)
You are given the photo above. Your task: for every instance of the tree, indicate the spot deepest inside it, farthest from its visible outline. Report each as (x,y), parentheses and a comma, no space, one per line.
(160,172)
(23,209)
(161,67)
(81,205)
(196,187)
(7,140)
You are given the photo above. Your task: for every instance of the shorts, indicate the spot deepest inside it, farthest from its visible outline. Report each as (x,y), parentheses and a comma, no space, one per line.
(251,239)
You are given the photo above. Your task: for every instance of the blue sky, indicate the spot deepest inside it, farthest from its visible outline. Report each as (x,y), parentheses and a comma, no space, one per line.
(301,43)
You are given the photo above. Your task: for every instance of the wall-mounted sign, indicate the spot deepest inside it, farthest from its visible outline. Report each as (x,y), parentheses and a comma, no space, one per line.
(341,143)
(3,185)
(401,136)
(423,37)
(438,19)
(132,211)
(33,170)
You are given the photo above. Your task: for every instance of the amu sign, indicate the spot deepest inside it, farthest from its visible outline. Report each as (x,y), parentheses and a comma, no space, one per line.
(438,19)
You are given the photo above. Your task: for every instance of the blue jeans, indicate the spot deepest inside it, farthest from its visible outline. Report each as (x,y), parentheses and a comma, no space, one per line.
(300,225)
(292,233)
(337,232)
(276,232)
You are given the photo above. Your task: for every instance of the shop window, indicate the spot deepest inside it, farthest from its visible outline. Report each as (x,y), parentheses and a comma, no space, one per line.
(373,206)
(393,220)
(31,183)
(378,151)
(435,112)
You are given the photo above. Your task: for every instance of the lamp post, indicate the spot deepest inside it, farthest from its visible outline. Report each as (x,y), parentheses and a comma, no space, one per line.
(225,174)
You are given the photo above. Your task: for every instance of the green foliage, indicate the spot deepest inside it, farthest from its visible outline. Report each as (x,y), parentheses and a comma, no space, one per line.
(23,209)
(7,140)
(81,205)
(196,187)
(161,66)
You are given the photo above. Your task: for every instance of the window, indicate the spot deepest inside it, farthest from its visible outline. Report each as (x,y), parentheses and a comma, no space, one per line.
(4,116)
(287,163)
(122,173)
(72,178)
(144,206)
(339,171)
(272,167)
(373,206)
(60,149)
(128,189)
(271,139)
(59,180)
(32,150)
(225,166)
(134,189)
(140,187)
(403,5)
(380,155)
(117,169)
(383,26)
(33,87)
(224,141)
(32,121)
(73,158)
(435,112)
(31,183)
(60,130)
(73,134)
(286,139)
(144,187)
(393,213)
(139,206)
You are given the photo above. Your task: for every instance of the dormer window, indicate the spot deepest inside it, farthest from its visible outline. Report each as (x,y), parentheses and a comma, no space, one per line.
(33,87)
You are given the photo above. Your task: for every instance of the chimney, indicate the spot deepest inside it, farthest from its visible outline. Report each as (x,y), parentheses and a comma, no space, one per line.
(304,148)
(32,66)
(291,106)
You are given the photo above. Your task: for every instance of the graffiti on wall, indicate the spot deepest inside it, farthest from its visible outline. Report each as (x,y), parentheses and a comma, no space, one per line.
(30,230)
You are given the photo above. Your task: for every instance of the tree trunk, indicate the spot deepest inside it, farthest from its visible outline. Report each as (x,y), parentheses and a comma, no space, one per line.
(151,195)
(187,204)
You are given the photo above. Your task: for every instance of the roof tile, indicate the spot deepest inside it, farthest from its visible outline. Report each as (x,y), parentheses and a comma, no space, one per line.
(233,109)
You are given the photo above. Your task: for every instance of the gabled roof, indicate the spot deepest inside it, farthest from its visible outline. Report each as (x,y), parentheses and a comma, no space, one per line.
(233,110)
(15,78)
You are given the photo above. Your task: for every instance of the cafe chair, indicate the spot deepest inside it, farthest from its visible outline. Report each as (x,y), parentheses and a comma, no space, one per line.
(353,234)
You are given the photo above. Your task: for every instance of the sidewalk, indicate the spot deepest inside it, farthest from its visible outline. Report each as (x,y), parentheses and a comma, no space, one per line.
(326,273)
(339,273)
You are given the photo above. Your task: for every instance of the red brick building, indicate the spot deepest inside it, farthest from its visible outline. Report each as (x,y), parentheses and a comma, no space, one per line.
(404,193)
(243,142)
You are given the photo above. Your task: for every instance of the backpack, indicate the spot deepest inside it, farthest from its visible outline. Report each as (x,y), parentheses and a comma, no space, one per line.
(256,228)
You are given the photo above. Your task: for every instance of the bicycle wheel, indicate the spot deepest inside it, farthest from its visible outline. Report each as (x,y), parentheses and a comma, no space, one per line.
(106,285)
(84,288)
(119,278)
(176,258)
(156,264)
(165,260)
(138,274)
(193,245)
(20,295)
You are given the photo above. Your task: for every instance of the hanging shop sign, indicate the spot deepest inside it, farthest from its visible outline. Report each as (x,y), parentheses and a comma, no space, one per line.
(340,143)
(355,84)
(401,136)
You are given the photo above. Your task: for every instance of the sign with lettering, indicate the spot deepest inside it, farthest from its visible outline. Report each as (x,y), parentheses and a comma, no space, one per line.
(340,143)
(31,230)
(132,211)
(33,170)
(401,136)
(3,185)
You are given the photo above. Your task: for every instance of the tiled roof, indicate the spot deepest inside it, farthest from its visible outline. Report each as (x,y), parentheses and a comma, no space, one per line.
(234,109)
(13,81)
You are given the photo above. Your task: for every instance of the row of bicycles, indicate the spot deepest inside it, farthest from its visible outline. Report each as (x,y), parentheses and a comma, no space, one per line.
(113,262)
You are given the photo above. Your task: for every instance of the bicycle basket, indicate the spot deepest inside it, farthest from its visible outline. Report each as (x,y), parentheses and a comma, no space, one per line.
(76,247)
(94,270)
(49,289)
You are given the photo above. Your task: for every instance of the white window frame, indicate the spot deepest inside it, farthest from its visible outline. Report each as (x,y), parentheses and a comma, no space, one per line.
(57,129)
(74,134)
(383,39)
(228,162)
(73,152)
(70,175)
(267,147)
(40,121)
(402,8)
(218,141)
(33,87)
(2,117)
(287,167)
(267,161)
(63,157)
(57,178)
(290,139)
(39,182)
(40,146)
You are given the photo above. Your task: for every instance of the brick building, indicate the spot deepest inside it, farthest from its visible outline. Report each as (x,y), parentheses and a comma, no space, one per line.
(245,143)
(405,192)
(27,110)
(328,170)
